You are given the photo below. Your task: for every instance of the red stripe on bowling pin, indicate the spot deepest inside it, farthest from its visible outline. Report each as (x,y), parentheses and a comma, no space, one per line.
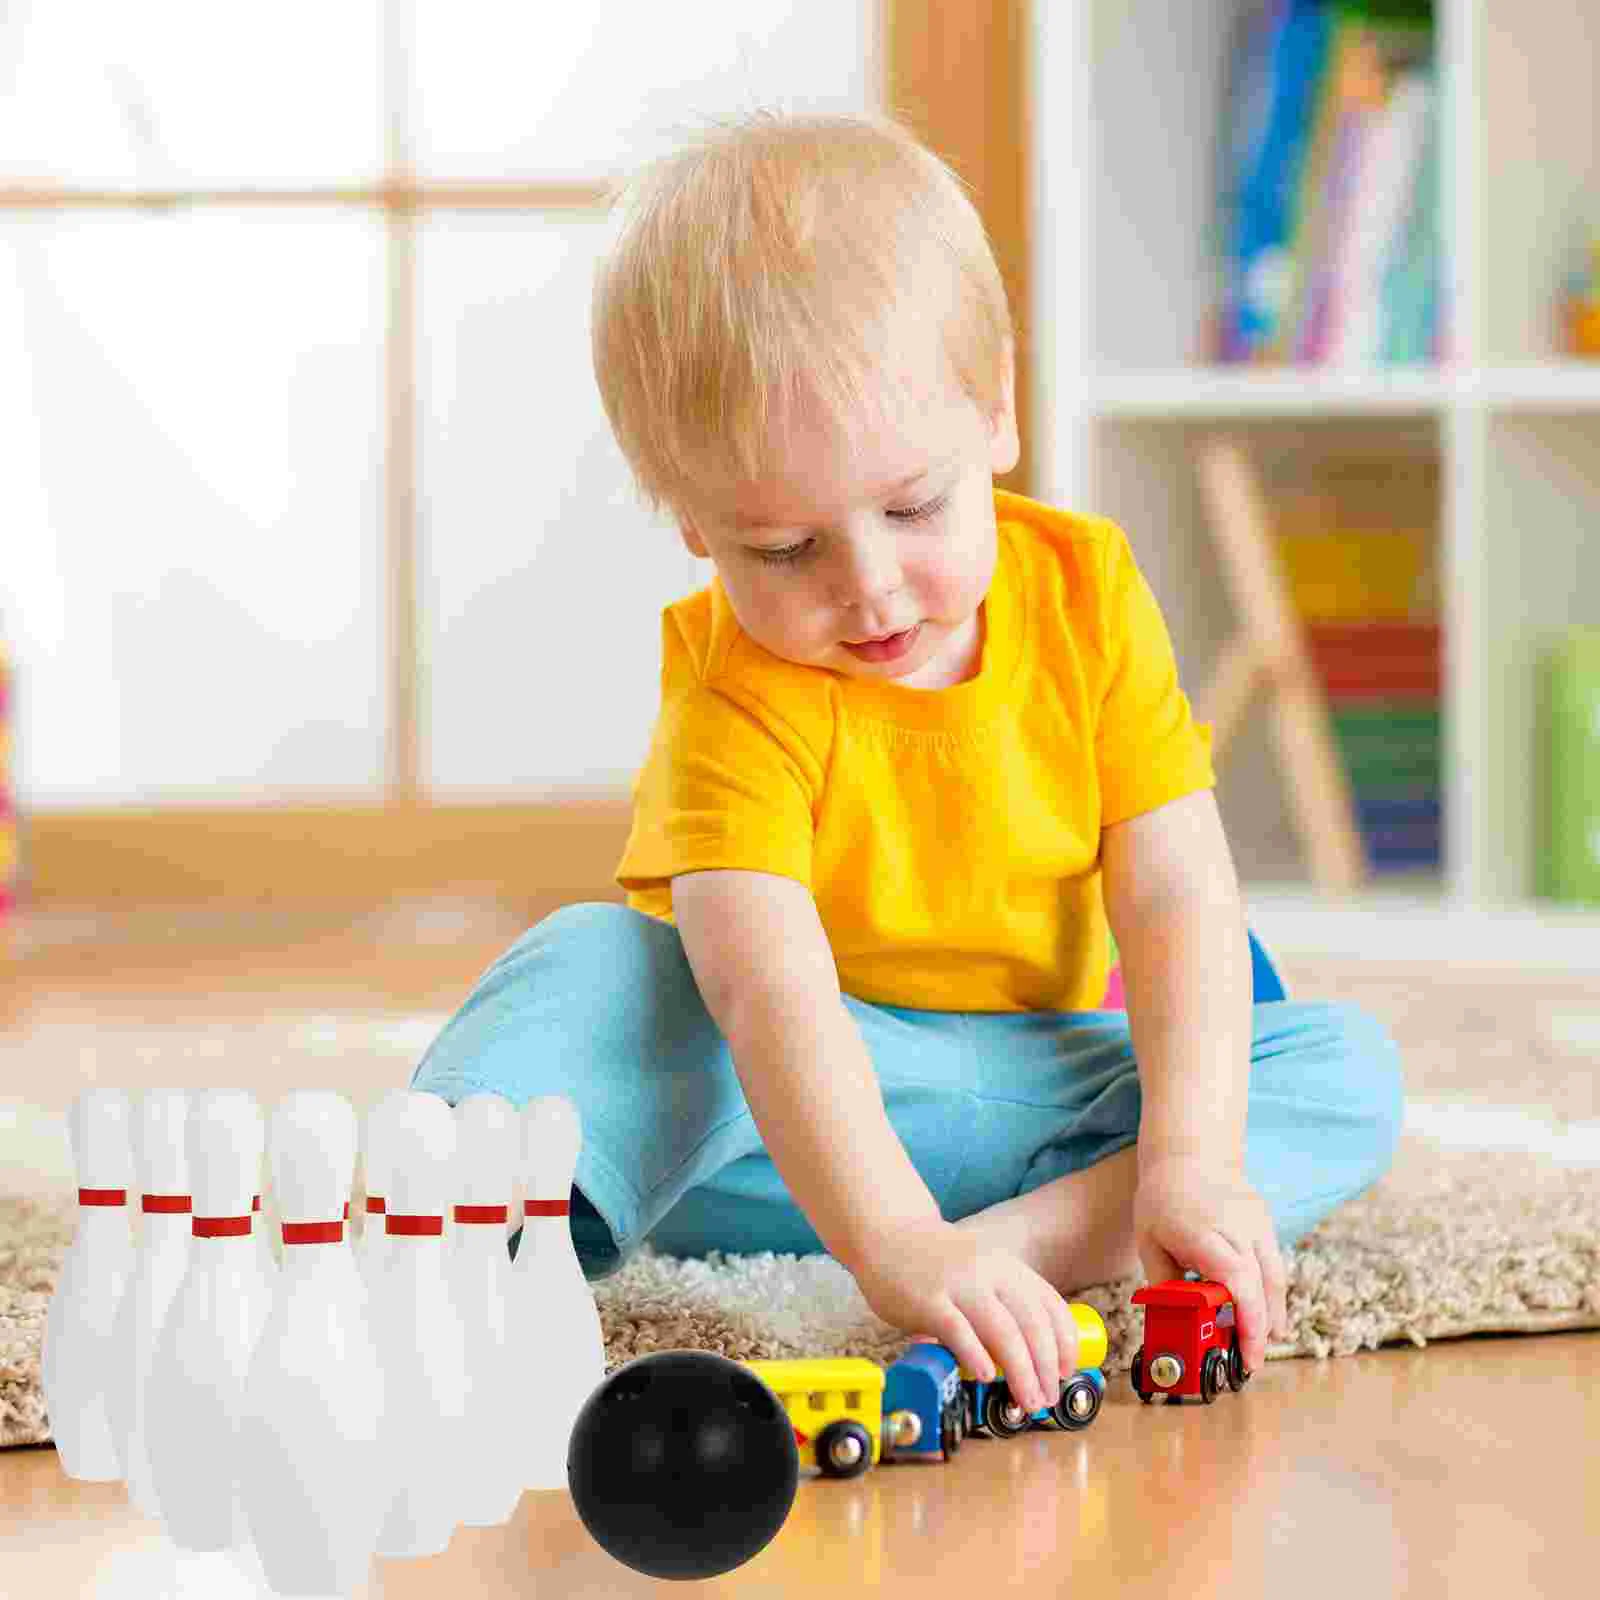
(414,1227)
(220,1227)
(313,1232)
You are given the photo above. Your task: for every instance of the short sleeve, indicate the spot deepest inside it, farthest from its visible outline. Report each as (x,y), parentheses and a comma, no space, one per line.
(725,786)
(1148,746)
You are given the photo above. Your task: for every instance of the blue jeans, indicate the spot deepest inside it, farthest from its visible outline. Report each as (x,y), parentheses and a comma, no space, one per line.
(598,1003)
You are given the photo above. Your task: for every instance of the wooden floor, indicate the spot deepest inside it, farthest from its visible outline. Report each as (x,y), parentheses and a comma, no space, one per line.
(1466,1469)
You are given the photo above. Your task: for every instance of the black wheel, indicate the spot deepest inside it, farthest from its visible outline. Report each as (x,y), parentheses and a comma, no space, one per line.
(1213,1375)
(950,1431)
(1136,1376)
(1079,1404)
(969,1423)
(1237,1375)
(1002,1416)
(844,1450)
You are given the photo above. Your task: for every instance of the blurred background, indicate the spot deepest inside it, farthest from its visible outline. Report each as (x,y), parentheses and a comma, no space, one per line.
(330,615)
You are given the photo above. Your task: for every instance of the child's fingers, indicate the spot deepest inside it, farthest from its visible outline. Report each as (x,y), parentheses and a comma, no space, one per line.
(1243,1279)
(1158,1262)
(1215,1256)
(1066,1335)
(1028,1302)
(1004,1334)
(959,1337)
(1275,1280)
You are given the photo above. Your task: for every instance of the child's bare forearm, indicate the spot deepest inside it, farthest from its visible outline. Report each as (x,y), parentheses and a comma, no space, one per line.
(810,1086)
(1187,973)
(1173,900)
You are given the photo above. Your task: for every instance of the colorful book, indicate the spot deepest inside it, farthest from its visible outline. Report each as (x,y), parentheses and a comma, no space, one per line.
(1278,73)
(1411,287)
(1377,660)
(1326,148)
(1381,200)
(1372,47)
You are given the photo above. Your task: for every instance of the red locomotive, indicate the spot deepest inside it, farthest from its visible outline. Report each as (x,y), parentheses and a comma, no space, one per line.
(1191,1341)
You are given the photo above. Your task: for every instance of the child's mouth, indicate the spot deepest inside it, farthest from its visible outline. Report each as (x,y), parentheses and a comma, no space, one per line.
(890,649)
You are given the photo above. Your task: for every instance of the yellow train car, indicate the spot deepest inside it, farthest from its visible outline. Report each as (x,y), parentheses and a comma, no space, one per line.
(835,1405)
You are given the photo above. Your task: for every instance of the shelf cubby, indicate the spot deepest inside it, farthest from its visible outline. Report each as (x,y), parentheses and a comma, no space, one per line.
(1125,192)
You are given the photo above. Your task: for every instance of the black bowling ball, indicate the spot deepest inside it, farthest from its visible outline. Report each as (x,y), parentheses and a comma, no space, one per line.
(683,1464)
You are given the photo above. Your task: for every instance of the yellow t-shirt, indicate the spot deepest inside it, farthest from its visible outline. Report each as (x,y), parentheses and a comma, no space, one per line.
(949,837)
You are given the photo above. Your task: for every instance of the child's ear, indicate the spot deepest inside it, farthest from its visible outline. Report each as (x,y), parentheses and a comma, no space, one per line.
(692,542)
(1005,446)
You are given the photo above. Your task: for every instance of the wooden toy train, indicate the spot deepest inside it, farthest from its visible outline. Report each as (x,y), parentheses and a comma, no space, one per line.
(850,1414)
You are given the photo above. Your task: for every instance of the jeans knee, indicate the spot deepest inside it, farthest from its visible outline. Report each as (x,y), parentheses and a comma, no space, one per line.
(585,922)
(1331,1111)
(592,936)
(1375,1083)
(570,983)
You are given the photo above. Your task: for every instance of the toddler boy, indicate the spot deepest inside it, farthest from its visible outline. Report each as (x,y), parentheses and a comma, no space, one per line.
(921,752)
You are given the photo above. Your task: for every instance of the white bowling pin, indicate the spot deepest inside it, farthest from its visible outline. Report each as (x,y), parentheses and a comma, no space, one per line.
(76,1358)
(312,1478)
(372,1245)
(161,1259)
(421,1341)
(196,1383)
(488,1153)
(555,1321)
(263,1230)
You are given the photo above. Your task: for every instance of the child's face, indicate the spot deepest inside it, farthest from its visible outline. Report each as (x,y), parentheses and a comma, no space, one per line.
(868,550)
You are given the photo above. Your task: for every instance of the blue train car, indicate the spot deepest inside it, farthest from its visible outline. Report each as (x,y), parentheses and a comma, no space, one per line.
(924,1411)
(991,1409)
(990,1406)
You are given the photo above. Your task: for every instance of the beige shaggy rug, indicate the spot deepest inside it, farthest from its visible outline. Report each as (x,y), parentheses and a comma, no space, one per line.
(1489,1221)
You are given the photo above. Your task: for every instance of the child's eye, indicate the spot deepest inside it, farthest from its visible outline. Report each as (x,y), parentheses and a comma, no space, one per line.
(928,508)
(782,557)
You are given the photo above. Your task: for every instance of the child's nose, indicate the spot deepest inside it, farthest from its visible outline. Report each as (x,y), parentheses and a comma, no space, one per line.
(869,572)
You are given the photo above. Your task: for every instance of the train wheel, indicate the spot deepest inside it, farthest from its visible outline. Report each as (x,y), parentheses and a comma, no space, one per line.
(1079,1404)
(844,1450)
(1002,1416)
(1213,1375)
(1236,1372)
(1136,1376)
(949,1433)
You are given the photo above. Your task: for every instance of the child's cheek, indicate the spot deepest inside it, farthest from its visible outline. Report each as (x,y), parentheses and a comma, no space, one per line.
(949,589)
(785,613)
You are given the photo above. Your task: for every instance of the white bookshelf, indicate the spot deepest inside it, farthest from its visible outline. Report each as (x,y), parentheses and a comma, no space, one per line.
(1128,105)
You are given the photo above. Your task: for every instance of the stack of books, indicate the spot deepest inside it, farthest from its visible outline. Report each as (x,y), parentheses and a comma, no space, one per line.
(1359,553)
(1382,680)
(1328,232)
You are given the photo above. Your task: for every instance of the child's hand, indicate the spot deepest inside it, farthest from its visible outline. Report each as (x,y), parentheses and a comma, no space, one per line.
(1193,1214)
(985,1305)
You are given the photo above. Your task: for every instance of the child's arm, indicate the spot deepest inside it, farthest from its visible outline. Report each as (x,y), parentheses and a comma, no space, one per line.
(1172,897)
(766,973)
(764,968)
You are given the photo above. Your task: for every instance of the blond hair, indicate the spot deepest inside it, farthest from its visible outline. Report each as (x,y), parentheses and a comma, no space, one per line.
(770,260)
